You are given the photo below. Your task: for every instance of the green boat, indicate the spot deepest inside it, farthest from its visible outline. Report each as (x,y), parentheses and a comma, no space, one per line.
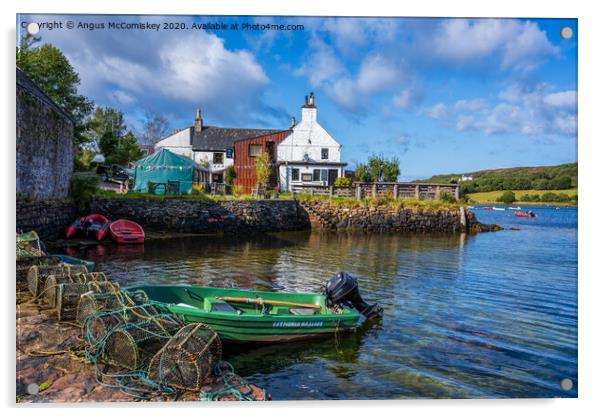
(254,316)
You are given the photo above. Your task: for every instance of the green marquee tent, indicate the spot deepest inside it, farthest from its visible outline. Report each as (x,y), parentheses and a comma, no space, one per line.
(161,167)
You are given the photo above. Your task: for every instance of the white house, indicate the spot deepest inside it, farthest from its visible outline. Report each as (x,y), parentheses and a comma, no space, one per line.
(309,155)
(211,147)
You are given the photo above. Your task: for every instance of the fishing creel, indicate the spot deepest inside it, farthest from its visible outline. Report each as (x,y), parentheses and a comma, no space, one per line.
(53,281)
(187,360)
(132,344)
(68,296)
(92,303)
(36,275)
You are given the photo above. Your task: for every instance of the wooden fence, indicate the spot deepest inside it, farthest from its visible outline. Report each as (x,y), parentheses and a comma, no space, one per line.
(394,190)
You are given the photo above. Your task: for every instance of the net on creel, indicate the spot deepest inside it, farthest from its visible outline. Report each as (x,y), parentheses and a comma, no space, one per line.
(36,275)
(187,360)
(99,325)
(91,303)
(132,344)
(68,296)
(53,281)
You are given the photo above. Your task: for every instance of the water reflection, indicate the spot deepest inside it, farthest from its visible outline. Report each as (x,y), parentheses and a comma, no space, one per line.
(490,315)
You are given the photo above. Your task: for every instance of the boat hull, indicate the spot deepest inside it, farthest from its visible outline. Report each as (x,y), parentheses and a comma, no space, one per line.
(253,323)
(126,232)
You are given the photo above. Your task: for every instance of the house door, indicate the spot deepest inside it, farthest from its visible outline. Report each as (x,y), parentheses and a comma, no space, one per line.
(332,175)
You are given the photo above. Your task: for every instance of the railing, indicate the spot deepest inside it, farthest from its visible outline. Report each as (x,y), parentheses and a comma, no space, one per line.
(394,190)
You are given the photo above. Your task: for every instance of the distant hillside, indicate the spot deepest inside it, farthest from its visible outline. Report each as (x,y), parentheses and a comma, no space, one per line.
(538,177)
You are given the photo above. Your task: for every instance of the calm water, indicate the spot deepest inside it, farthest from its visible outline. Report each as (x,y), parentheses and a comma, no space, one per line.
(491,315)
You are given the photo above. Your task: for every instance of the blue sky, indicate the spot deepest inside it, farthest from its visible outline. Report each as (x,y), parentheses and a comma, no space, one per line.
(443,95)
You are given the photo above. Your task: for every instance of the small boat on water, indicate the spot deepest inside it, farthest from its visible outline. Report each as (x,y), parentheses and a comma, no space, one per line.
(515,208)
(239,315)
(126,232)
(528,214)
(94,226)
(488,208)
(498,209)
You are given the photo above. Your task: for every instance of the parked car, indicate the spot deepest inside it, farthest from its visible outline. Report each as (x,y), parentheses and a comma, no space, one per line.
(116,172)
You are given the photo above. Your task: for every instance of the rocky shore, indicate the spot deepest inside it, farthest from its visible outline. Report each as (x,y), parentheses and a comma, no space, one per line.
(49,359)
(386,218)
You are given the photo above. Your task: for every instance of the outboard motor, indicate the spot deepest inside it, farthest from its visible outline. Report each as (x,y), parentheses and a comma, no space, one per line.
(343,290)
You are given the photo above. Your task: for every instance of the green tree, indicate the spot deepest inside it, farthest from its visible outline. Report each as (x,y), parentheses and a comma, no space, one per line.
(507,197)
(379,169)
(51,71)
(229,175)
(108,144)
(362,173)
(127,150)
(263,168)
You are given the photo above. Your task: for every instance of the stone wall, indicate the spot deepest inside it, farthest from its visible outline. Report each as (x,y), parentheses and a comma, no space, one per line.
(44,144)
(324,215)
(48,218)
(193,216)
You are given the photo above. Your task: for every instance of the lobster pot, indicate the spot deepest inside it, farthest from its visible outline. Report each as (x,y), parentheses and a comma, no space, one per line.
(92,303)
(36,275)
(53,281)
(133,344)
(68,296)
(187,360)
(100,324)
(24,265)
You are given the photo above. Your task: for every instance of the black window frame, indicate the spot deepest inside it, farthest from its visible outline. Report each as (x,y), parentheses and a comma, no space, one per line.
(324,149)
(295,174)
(316,178)
(222,155)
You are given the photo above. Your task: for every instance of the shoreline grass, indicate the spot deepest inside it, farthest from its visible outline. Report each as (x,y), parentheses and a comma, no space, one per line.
(491,197)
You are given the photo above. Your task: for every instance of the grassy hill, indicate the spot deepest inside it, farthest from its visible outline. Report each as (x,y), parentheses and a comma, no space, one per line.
(560,177)
(492,197)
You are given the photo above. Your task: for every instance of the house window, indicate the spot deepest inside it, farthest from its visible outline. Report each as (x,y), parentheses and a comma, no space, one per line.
(324,153)
(324,175)
(295,174)
(316,175)
(306,177)
(255,150)
(218,158)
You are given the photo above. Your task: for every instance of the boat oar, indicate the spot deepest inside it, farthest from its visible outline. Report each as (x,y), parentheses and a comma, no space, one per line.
(261,301)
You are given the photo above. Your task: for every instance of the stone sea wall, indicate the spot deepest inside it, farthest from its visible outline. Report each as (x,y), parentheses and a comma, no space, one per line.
(327,216)
(48,218)
(193,216)
(44,144)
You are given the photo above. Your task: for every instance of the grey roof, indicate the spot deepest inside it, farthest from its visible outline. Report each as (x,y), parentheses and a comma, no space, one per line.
(221,138)
(33,89)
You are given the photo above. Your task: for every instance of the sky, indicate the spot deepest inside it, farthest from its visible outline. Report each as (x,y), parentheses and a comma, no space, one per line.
(441,95)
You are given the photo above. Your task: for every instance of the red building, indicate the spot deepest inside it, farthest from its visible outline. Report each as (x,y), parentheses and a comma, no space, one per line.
(245,152)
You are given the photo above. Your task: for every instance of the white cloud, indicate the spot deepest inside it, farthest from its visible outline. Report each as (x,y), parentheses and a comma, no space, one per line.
(437,111)
(528,111)
(409,96)
(376,75)
(122,97)
(520,45)
(564,99)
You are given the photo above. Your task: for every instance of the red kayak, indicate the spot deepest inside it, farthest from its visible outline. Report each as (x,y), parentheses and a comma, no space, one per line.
(528,214)
(126,232)
(92,226)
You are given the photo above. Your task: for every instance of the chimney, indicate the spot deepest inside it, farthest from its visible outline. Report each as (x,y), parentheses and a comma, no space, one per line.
(311,99)
(293,122)
(198,121)
(306,103)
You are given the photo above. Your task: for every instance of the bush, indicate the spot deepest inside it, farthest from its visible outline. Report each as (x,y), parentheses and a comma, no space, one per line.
(507,197)
(82,190)
(447,197)
(229,175)
(237,190)
(342,181)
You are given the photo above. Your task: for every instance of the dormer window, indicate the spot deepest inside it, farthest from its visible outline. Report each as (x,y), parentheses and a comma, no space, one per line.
(324,154)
